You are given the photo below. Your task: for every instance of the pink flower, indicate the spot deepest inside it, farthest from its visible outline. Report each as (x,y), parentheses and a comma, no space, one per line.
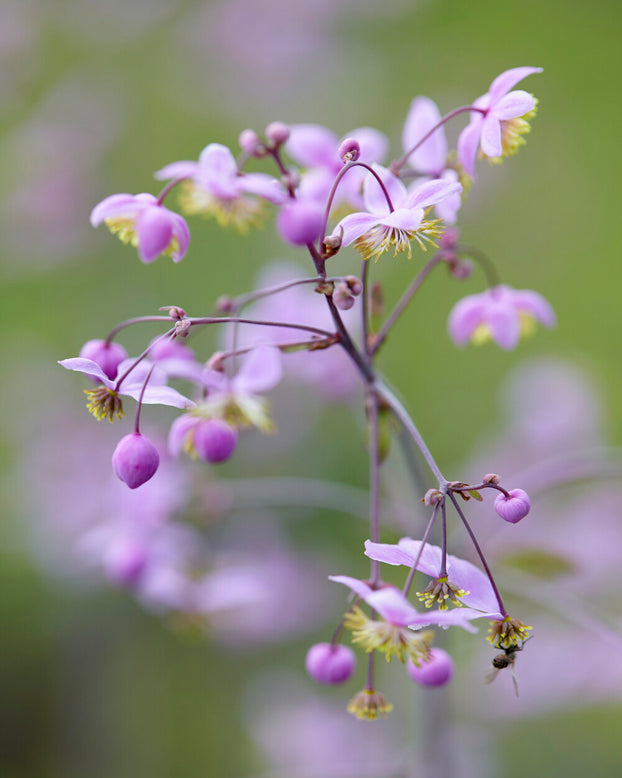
(513,508)
(216,187)
(501,314)
(378,227)
(145,223)
(499,130)
(330,664)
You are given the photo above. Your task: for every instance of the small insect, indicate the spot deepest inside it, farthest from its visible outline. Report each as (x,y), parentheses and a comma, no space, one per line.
(501,661)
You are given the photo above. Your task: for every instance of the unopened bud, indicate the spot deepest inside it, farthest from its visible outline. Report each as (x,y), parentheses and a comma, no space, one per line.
(435,670)
(354,284)
(343,297)
(513,508)
(214,440)
(491,478)
(107,355)
(299,222)
(251,143)
(332,244)
(461,268)
(349,150)
(449,239)
(174,311)
(135,459)
(277,133)
(216,362)
(225,304)
(182,328)
(330,664)
(432,497)
(291,179)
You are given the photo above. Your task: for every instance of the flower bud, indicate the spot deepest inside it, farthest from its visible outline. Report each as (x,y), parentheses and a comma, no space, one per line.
(449,239)
(330,664)
(277,133)
(251,143)
(491,478)
(461,269)
(214,440)
(300,222)
(355,285)
(349,150)
(174,311)
(107,355)
(432,497)
(437,671)
(135,459)
(514,508)
(342,297)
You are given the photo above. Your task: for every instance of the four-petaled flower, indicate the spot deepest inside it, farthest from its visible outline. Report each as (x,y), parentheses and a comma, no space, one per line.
(501,314)
(380,226)
(499,130)
(142,221)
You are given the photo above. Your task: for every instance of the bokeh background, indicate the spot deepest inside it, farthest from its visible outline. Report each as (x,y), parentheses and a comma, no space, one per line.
(94,97)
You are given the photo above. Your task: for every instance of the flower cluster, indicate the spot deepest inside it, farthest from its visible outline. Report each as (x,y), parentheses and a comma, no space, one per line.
(329,193)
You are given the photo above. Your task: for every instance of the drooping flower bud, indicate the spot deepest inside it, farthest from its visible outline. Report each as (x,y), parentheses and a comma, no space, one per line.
(355,285)
(107,355)
(514,508)
(491,478)
(300,222)
(436,671)
(343,297)
(330,664)
(135,459)
(214,440)
(277,133)
(349,150)
(250,143)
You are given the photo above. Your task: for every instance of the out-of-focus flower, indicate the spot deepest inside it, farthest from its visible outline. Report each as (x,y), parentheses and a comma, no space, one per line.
(216,187)
(317,149)
(501,314)
(107,355)
(430,159)
(142,221)
(378,228)
(500,129)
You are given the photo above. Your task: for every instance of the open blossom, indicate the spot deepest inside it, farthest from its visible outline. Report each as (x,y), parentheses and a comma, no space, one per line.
(105,401)
(478,592)
(233,401)
(142,221)
(391,634)
(430,158)
(216,187)
(500,129)
(501,314)
(317,149)
(380,226)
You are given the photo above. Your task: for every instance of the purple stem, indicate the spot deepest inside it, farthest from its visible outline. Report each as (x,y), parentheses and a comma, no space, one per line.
(260,322)
(244,299)
(140,401)
(374,482)
(130,322)
(402,415)
(443,570)
(477,487)
(169,186)
(403,302)
(483,260)
(424,540)
(337,181)
(365,306)
(370,672)
(398,164)
(480,554)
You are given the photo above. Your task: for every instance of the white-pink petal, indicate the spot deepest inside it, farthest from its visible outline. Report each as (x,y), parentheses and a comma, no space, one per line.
(507,80)
(430,158)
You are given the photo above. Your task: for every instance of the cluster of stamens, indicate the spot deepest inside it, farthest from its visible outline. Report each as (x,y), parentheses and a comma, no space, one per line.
(439,591)
(508,633)
(389,639)
(369,704)
(104,403)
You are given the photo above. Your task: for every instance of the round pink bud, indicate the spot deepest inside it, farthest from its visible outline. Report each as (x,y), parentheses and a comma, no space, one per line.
(343,297)
(355,285)
(330,664)
(513,508)
(214,440)
(251,143)
(135,459)
(437,672)
(300,222)
(107,355)
(491,478)
(277,133)
(462,268)
(349,150)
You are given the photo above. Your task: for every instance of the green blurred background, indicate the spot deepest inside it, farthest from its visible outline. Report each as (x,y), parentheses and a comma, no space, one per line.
(95,97)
